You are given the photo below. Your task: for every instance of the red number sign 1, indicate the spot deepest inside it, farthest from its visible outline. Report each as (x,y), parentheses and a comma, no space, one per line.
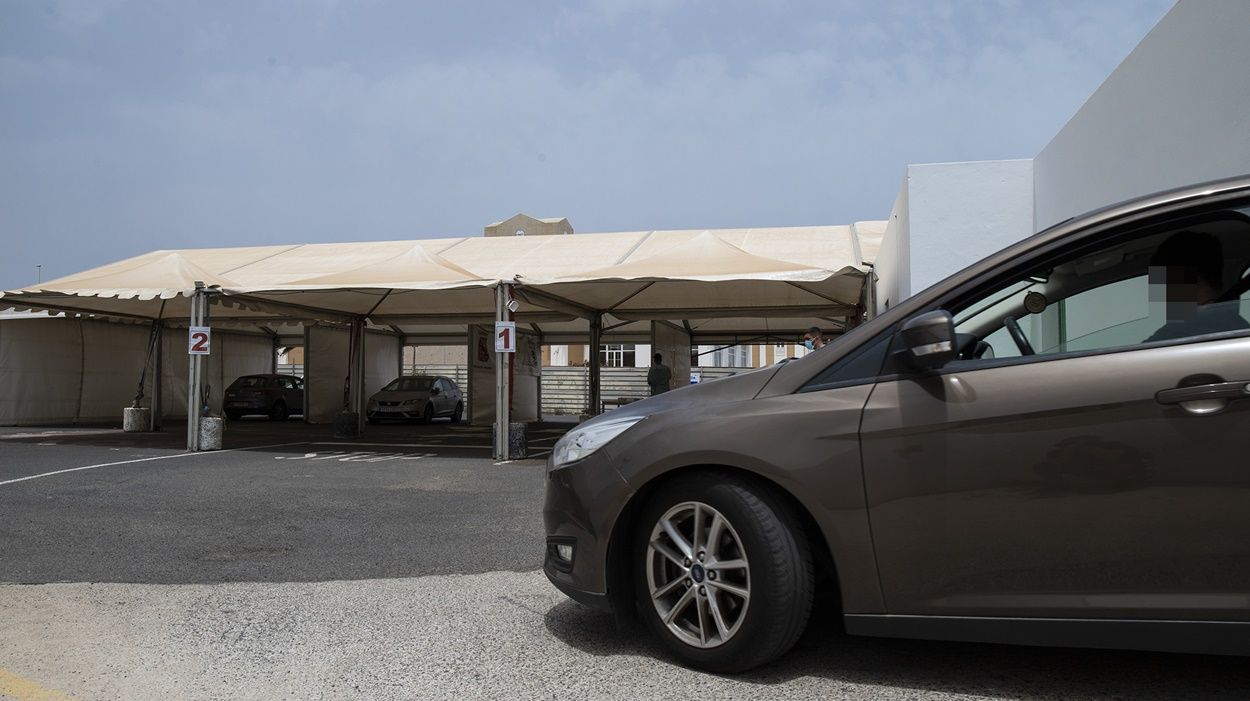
(505,336)
(199,340)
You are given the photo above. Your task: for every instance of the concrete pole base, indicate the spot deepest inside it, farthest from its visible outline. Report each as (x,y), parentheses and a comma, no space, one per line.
(347,425)
(136,420)
(518,435)
(211,430)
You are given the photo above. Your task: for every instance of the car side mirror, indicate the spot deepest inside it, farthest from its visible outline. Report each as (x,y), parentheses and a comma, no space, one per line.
(930,339)
(435,390)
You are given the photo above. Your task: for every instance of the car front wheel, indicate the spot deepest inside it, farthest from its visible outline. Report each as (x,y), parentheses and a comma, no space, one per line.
(724,572)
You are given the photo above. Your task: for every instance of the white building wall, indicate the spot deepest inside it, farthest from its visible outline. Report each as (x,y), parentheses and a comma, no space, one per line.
(892,262)
(948,216)
(1175,112)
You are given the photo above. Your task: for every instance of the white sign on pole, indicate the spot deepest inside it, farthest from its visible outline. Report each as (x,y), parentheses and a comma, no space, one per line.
(199,339)
(505,336)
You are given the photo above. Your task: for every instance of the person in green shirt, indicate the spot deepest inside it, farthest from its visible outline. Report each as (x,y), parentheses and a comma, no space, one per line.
(660,376)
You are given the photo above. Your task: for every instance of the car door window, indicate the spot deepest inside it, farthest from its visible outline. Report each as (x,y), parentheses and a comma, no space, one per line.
(1162,286)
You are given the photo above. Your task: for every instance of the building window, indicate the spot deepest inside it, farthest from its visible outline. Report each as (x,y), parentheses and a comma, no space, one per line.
(617,355)
(732,357)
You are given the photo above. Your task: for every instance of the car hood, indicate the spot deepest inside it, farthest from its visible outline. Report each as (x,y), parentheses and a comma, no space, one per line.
(729,389)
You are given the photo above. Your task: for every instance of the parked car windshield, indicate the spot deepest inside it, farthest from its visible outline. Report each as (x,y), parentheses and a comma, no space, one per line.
(410,384)
(253,382)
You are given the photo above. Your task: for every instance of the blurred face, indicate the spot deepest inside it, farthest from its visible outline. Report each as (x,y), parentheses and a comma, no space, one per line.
(1180,288)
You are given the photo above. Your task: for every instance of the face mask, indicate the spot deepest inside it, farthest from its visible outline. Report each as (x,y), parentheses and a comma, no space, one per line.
(809,344)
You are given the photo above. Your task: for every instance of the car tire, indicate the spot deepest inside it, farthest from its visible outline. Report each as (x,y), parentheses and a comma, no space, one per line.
(278,411)
(373,421)
(458,415)
(427,416)
(760,581)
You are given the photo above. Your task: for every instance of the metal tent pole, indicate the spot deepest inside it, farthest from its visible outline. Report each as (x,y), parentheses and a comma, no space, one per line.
(870,294)
(358,379)
(193,374)
(501,421)
(191,384)
(509,373)
(158,369)
(596,336)
(199,373)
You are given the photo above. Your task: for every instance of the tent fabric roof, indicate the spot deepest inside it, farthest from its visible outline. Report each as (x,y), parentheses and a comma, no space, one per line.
(704,257)
(676,275)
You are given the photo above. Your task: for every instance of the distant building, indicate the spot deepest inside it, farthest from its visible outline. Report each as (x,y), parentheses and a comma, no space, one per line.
(523,224)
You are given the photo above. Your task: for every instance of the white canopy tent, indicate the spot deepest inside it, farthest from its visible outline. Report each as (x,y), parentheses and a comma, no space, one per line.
(723,284)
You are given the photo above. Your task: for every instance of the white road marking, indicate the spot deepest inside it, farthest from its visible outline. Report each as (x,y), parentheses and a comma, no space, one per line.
(357,456)
(405,445)
(530,457)
(48,434)
(157,457)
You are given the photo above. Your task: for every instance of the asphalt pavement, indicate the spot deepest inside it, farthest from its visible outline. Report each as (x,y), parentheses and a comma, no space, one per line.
(401,566)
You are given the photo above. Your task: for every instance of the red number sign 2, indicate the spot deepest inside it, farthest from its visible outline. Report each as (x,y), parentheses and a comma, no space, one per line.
(199,341)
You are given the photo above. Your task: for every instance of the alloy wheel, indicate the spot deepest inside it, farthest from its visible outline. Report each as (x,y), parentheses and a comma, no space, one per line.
(698,575)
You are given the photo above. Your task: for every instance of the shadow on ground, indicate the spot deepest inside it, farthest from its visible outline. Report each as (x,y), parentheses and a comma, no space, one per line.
(996,671)
(251,432)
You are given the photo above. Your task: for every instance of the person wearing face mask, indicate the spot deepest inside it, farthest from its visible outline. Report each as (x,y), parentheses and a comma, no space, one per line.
(812,340)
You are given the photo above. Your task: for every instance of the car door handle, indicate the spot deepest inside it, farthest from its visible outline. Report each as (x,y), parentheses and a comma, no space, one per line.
(1215,390)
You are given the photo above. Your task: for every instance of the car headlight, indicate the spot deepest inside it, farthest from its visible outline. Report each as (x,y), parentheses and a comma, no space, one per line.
(409,401)
(583,441)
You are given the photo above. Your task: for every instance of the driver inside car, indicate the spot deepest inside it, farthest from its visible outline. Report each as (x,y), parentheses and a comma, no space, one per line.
(1186,274)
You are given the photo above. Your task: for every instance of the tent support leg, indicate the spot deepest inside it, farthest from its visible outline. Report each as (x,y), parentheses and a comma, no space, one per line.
(158,370)
(501,380)
(596,339)
(194,375)
(870,294)
(356,373)
(539,387)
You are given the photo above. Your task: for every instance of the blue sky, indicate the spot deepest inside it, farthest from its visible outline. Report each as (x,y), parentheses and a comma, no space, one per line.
(128,126)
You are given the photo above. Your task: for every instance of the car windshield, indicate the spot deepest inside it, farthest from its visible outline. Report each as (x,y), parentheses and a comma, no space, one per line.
(410,384)
(252,382)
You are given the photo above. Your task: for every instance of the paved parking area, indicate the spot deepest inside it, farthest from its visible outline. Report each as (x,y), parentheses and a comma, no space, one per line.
(401,566)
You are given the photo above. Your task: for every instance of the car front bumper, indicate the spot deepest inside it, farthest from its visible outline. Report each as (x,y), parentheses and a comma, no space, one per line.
(582,505)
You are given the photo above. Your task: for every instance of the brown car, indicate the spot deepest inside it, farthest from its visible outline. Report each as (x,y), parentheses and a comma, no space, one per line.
(1046,448)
